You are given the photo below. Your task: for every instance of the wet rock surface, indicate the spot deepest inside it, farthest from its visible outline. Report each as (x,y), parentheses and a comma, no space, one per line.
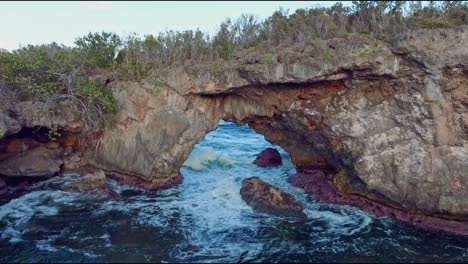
(150,186)
(3,186)
(318,184)
(270,157)
(264,198)
(95,182)
(393,121)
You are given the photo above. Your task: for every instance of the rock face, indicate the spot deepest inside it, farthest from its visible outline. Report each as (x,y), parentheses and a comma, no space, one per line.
(8,125)
(92,183)
(155,132)
(3,187)
(26,148)
(264,198)
(39,162)
(317,183)
(387,122)
(33,114)
(270,157)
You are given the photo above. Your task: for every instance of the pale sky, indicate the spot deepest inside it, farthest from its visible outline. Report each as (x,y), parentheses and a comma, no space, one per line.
(44,22)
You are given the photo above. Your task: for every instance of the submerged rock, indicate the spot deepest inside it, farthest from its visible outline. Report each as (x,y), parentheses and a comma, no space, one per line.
(37,162)
(264,198)
(3,186)
(270,157)
(92,183)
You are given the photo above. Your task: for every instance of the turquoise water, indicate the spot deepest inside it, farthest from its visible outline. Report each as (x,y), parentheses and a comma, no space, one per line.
(204,219)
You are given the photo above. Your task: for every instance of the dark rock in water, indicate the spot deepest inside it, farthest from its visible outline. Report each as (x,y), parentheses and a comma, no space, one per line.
(270,157)
(37,162)
(92,183)
(150,186)
(264,198)
(3,187)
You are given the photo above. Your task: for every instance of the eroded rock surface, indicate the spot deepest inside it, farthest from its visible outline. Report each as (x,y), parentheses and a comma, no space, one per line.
(318,184)
(92,183)
(385,122)
(392,119)
(270,157)
(264,198)
(38,162)
(3,186)
(8,125)
(154,134)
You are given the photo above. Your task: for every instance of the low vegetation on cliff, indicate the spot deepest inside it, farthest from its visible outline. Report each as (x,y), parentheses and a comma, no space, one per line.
(53,72)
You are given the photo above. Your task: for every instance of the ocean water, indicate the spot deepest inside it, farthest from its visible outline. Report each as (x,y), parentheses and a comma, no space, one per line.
(204,219)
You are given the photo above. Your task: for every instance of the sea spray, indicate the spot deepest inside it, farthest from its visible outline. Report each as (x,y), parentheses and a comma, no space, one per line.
(204,219)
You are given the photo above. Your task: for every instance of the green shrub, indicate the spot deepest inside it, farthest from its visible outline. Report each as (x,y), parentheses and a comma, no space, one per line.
(53,74)
(431,23)
(100,48)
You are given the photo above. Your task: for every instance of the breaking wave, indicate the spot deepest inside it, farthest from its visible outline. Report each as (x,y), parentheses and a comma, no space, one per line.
(204,219)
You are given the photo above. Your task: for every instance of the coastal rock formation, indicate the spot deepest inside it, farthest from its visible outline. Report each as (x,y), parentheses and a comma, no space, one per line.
(318,184)
(92,183)
(8,125)
(37,114)
(27,146)
(264,198)
(387,123)
(38,162)
(390,119)
(155,132)
(3,187)
(270,157)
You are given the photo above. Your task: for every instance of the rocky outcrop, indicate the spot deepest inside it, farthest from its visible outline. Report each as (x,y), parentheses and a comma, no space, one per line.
(270,157)
(264,198)
(39,162)
(27,146)
(384,122)
(38,114)
(8,125)
(92,183)
(155,131)
(387,122)
(3,186)
(318,184)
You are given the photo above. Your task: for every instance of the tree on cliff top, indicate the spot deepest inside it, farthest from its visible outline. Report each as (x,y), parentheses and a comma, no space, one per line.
(54,72)
(99,48)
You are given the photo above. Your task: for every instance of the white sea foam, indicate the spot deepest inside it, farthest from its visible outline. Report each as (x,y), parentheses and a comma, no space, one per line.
(18,212)
(208,211)
(200,159)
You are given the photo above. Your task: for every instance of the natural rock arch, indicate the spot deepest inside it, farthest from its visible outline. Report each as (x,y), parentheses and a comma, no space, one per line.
(387,126)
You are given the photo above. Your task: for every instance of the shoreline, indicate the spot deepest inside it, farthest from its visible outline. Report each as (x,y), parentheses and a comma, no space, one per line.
(316,183)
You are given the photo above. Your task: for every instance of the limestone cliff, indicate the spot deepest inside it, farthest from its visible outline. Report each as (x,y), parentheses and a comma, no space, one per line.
(393,120)
(385,122)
